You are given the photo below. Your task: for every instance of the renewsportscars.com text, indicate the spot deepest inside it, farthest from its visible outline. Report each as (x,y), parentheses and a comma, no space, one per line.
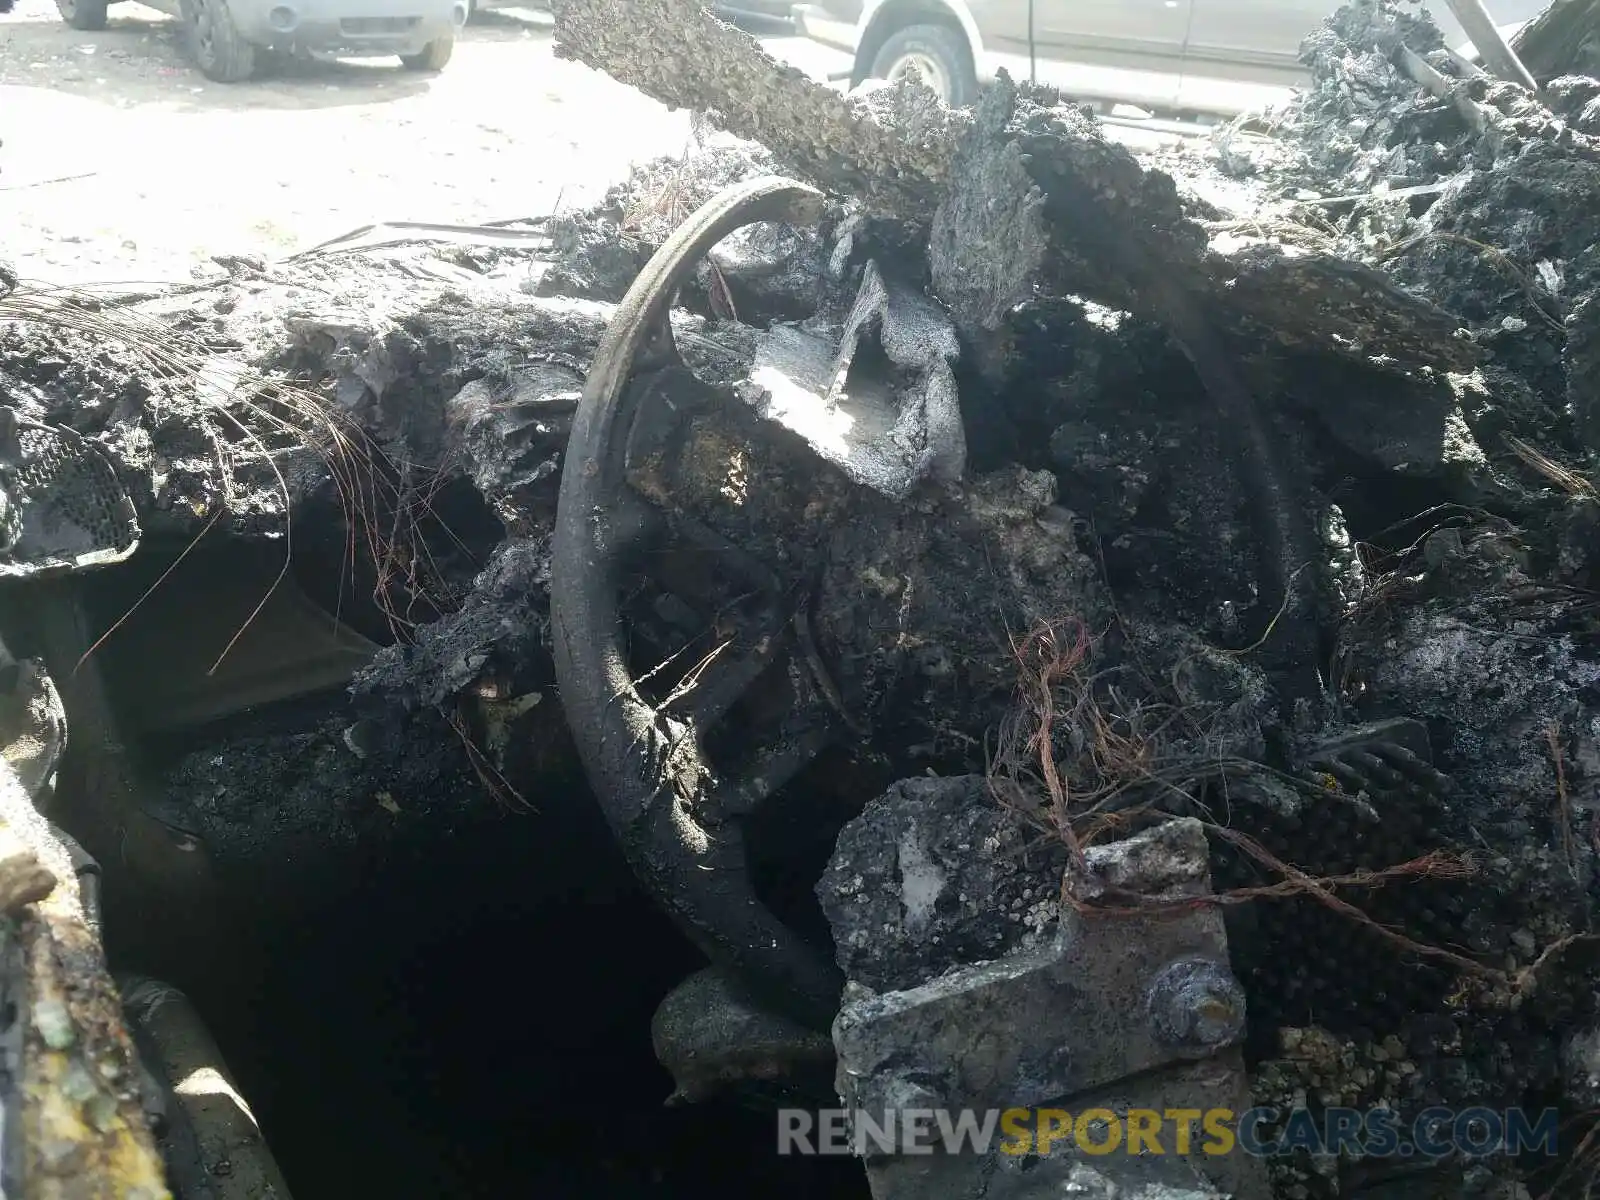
(1260,1132)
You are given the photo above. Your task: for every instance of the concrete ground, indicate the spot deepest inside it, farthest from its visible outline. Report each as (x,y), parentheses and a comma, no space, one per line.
(120,162)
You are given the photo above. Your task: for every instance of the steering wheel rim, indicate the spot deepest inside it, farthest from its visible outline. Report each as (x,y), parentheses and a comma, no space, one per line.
(677,824)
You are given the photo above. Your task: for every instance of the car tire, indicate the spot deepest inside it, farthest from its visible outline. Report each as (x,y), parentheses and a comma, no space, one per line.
(214,42)
(87,15)
(432,57)
(938,51)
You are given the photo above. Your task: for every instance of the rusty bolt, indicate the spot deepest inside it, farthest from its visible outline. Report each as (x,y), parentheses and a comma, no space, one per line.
(1197,1003)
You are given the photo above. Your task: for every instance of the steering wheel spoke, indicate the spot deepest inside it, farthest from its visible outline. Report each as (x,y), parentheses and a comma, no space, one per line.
(768,771)
(711,689)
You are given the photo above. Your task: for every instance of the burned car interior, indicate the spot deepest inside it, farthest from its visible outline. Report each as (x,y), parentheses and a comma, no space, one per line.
(898,607)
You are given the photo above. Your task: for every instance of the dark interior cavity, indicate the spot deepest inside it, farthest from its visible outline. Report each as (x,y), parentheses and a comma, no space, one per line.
(460,1009)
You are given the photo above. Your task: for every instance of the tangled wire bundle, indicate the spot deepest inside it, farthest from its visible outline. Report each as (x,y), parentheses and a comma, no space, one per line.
(1129,759)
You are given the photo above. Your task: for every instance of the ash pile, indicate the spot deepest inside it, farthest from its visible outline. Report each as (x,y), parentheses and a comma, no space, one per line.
(1051,628)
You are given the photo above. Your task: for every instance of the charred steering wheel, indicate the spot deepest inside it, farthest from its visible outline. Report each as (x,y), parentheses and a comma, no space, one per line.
(679,821)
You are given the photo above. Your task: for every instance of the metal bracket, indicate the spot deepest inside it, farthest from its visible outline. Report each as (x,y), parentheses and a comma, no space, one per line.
(1117,1011)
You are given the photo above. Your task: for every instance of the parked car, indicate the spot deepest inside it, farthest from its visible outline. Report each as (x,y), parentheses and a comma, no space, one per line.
(226,38)
(1189,57)
(763,10)
(769,10)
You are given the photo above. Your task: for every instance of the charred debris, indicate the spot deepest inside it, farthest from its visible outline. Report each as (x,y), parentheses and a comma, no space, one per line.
(852,579)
